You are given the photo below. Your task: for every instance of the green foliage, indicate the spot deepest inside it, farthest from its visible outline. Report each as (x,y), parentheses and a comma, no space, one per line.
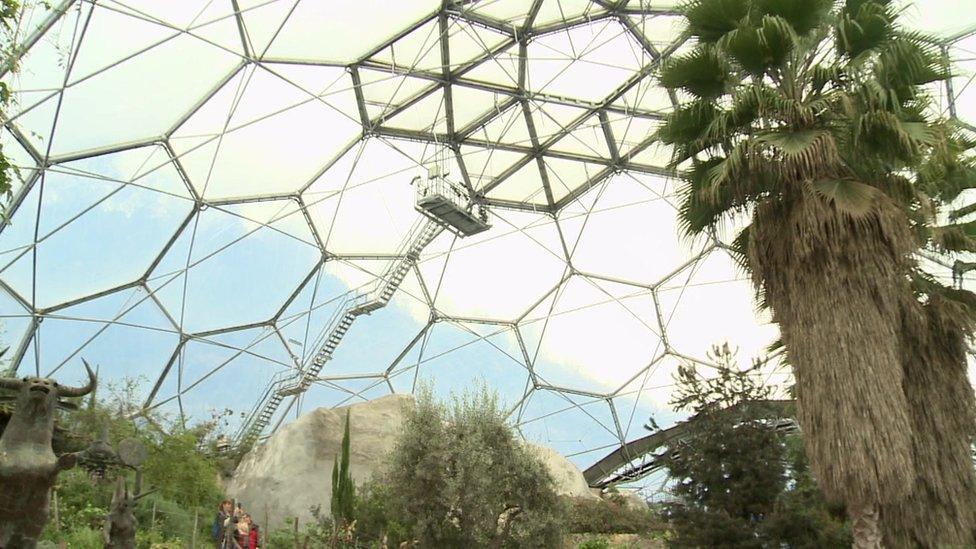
(154,538)
(701,73)
(177,451)
(84,538)
(185,477)
(611,516)
(739,482)
(376,515)
(458,477)
(343,500)
(794,91)
(9,22)
(285,536)
(801,518)
(595,543)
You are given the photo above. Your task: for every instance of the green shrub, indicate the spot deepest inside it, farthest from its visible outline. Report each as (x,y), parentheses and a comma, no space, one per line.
(595,543)
(284,536)
(611,516)
(455,470)
(376,517)
(153,538)
(84,538)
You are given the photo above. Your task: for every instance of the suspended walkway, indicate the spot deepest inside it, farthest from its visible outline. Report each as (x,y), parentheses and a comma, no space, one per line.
(639,458)
(291,384)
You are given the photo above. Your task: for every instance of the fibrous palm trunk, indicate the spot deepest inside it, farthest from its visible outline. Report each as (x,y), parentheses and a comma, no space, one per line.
(835,285)
(941,512)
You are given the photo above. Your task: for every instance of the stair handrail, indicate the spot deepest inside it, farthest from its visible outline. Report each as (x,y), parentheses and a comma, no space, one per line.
(269,390)
(303,376)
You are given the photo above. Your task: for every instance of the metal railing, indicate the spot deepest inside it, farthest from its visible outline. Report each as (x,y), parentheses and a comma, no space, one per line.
(291,383)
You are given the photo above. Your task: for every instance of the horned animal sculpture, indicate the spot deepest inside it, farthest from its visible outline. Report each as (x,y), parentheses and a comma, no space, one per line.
(28,466)
(120,525)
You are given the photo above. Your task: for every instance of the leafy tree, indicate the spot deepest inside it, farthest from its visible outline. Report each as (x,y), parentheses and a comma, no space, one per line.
(810,119)
(738,482)
(9,19)
(800,517)
(460,478)
(376,516)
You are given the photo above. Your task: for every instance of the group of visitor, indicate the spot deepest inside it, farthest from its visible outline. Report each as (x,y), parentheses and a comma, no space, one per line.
(234,529)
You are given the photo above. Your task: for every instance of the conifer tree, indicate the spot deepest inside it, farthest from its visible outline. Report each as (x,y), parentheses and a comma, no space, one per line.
(343,502)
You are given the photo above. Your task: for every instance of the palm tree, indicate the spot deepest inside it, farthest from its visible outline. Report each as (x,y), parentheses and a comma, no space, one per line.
(810,119)
(937,329)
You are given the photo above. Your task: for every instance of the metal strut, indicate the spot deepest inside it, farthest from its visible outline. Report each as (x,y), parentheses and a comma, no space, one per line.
(291,384)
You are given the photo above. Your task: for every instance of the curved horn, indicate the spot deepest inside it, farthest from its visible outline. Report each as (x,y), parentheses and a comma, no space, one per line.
(80,391)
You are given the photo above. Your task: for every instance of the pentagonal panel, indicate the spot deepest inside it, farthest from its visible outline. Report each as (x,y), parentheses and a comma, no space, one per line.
(133,68)
(638,215)
(456,357)
(582,429)
(224,372)
(364,202)
(124,334)
(326,32)
(716,284)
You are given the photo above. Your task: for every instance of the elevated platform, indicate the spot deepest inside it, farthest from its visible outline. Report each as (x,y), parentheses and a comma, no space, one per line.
(446,211)
(450,205)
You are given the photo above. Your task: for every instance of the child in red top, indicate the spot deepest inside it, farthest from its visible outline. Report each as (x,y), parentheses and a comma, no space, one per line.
(247,533)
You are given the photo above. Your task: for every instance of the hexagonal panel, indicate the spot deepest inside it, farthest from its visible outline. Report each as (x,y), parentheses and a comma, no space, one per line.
(260,250)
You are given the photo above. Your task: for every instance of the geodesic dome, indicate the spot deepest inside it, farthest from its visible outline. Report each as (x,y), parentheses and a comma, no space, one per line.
(203,186)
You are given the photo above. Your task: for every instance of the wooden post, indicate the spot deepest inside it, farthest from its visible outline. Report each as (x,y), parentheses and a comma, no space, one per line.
(152,519)
(193,535)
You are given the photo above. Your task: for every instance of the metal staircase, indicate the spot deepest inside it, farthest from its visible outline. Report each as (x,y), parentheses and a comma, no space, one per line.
(291,384)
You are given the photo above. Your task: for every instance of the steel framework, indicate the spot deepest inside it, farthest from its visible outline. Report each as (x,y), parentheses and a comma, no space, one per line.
(473,76)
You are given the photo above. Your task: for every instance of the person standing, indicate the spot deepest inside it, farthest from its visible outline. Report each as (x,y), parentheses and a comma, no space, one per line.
(248,537)
(217,530)
(230,533)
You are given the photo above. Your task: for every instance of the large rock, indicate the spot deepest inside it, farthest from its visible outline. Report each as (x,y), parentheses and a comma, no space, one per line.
(292,472)
(568,478)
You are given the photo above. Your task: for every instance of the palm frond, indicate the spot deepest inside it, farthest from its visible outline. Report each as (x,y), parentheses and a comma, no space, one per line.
(709,20)
(863,25)
(758,48)
(955,237)
(803,15)
(702,73)
(962,212)
(848,196)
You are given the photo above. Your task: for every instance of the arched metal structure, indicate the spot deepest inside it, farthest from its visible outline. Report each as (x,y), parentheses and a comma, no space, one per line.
(202,186)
